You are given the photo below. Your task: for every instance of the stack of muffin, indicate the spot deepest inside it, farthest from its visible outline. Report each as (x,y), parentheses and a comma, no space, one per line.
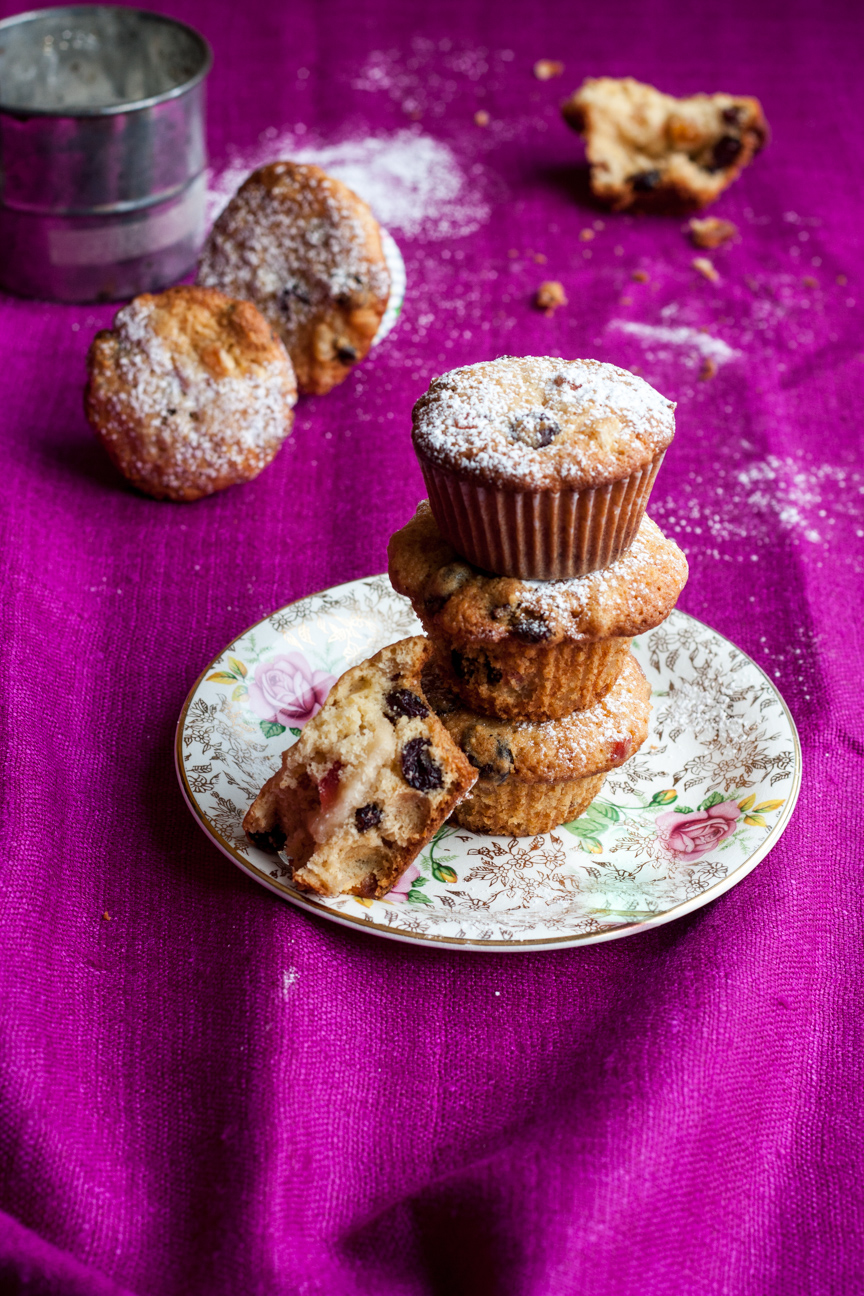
(532,568)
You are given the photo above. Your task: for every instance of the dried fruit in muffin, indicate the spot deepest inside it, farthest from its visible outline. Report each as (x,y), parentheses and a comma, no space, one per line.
(538,467)
(533,650)
(307,251)
(649,150)
(189,392)
(534,776)
(372,777)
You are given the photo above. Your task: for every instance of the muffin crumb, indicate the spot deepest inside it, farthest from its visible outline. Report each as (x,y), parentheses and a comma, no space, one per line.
(549,296)
(705,268)
(711,231)
(546,69)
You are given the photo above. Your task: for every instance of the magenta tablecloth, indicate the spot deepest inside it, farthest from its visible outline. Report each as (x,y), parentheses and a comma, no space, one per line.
(207,1092)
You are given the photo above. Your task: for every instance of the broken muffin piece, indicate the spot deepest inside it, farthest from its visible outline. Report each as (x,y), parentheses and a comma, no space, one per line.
(370,780)
(650,151)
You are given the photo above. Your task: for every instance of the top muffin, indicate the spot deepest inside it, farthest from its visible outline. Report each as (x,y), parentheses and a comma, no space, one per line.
(529,423)
(307,251)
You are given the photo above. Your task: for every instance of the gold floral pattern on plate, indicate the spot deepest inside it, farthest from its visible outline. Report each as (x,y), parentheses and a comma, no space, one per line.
(684,820)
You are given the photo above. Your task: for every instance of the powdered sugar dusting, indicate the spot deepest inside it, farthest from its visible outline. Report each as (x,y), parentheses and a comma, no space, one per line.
(483,419)
(585,742)
(750,501)
(692,339)
(413,183)
(604,594)
(196,424)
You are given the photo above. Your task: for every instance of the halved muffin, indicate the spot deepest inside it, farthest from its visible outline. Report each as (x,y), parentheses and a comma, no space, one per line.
(370,780)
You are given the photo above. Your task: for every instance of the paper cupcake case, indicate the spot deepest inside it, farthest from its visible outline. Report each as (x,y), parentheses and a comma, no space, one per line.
(539,535)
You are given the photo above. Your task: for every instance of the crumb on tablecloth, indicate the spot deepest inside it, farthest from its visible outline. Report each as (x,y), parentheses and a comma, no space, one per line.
(704,266)
(549,296)
(711,231)
(546,69)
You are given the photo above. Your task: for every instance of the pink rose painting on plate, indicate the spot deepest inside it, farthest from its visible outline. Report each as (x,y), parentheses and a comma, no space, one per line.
(287,691)
(694,834)
(399,892)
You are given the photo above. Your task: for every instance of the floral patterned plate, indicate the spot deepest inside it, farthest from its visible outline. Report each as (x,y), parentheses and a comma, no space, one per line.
(684,820)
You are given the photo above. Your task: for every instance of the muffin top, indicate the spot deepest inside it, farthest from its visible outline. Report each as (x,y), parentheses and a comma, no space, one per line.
(549,751)
(307,251)
(537,423)
(190,391)
(463,604)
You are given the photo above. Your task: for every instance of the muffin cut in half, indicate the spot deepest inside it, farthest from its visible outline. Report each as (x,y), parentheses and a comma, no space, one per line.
(533,777)
(533,650)
(368,783)
(649,151)
(537,467)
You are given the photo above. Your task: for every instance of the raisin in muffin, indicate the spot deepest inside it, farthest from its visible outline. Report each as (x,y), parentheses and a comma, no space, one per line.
(533,777)
(528,649)
(307,251)
(368,783)
(540,468)
(189,392)
(648,150)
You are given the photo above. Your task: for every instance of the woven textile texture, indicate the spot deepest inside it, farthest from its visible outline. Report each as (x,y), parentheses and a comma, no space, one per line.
(206,1092)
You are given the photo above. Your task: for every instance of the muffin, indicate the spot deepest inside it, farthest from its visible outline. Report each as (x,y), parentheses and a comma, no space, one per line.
(649,151)
(370,780)
(307,251)
(533,650)
(540,468)
(189,392)
(532,777)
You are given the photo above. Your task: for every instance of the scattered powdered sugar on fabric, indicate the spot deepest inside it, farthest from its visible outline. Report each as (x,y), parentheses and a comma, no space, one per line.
(413,183)
(483,419)
(806,501)
(689,339)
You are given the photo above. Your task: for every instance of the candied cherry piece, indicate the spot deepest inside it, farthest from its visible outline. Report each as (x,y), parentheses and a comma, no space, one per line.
(328,786)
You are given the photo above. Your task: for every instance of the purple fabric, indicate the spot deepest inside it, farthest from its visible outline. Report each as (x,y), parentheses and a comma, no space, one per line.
(209,1093)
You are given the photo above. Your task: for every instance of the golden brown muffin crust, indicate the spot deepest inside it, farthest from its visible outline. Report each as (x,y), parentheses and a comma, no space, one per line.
(189,392)
(584,743)
(540,423)
(307,251)
(467,606)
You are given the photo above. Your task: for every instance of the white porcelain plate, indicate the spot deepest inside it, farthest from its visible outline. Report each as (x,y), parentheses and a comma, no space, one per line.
(684,820)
